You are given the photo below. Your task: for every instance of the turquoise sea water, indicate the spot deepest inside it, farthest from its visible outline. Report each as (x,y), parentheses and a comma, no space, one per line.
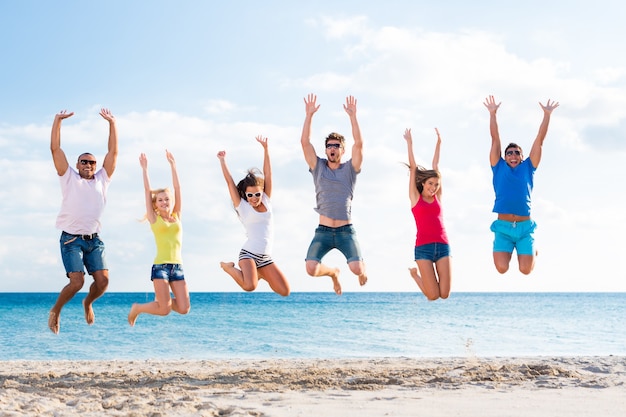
(319,325)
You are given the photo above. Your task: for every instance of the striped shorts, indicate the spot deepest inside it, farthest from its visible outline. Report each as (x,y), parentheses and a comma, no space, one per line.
(259,260)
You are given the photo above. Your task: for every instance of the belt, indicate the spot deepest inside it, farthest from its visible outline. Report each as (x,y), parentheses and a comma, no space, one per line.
(84,237)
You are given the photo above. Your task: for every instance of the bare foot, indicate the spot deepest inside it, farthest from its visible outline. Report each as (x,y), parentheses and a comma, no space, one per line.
(227,265)
(90,317)
(417,278)
(336,284)
(53,322)
(132,316)
(362,279)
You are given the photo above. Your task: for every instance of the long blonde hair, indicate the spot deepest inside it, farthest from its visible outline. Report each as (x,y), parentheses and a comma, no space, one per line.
(154,194)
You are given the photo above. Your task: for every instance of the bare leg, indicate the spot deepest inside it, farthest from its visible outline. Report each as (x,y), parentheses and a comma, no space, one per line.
(161,306)
(429,279)
(417,278)
(180,302)
(502,260)
(358,269)
(246,277)
(318,269)
(526,263)
(444,274)
(275,278)
(77,280)
(96,289)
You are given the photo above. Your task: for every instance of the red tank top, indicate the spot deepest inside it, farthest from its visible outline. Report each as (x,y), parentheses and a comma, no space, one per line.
(429,222)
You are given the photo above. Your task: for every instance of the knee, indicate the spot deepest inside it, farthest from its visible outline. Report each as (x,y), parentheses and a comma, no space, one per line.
(526,270)
(164,309)
(502,268)
(433,295)
(312,268)
(184,309)
(248,286)
(357,268)
(77,280)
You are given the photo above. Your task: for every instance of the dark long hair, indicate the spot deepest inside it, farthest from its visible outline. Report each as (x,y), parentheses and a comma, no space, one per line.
(422,174)
(252,179)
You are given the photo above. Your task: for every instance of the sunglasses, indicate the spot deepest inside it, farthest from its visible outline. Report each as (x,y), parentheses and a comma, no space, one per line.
(516,152)
(333,145)
(87,161)
(250,195)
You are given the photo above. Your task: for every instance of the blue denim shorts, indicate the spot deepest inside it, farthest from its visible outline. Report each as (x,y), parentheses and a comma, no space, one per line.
(327,238)
(432,251)
(170,272)
(514,235)
(79,252)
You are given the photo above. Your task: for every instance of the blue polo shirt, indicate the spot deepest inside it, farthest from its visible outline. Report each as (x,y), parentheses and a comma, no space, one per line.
(513,187)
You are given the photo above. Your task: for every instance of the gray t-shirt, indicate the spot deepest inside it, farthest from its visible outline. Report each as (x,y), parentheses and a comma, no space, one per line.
(334,189)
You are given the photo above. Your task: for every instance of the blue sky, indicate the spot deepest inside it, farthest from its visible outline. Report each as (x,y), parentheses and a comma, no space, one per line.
(197,77)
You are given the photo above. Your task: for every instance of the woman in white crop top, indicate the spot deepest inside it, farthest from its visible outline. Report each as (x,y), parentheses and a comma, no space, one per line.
(251,198)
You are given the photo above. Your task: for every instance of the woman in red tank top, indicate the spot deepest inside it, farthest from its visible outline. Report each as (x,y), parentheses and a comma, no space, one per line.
(432,251)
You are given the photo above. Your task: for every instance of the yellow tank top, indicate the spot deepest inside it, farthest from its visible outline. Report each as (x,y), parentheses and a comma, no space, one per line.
(169,239)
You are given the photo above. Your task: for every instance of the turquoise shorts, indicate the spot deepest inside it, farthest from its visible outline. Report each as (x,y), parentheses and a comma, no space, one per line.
(514,235)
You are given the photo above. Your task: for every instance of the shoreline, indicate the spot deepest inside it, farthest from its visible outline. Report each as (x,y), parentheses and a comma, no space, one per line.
(512,386)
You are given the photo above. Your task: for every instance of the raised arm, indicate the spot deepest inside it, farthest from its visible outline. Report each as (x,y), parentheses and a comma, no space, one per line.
(437,151)
(496,146)
(535,151)
(357,148)
(310,107)
(178,199)
(150,214)
(232,187)
(110,160)
(58,156)
(413,191)
(267,167)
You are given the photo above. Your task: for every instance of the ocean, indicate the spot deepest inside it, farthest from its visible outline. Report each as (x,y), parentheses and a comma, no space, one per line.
(319,325)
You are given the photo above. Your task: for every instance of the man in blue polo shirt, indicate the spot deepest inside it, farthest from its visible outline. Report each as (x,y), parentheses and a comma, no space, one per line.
(513,185)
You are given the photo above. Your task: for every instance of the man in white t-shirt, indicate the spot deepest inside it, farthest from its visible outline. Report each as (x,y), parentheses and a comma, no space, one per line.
(84,197)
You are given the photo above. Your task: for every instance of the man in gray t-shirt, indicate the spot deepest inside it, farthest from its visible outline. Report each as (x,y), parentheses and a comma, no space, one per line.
(334,187)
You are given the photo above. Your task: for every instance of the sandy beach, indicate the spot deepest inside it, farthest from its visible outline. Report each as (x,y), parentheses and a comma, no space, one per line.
(538,386)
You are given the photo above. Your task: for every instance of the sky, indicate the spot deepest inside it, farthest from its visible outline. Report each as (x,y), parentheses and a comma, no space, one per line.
(198,77)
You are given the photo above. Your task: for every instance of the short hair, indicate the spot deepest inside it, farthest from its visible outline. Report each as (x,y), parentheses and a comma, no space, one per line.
(83,154)
(513,145)
(335,136)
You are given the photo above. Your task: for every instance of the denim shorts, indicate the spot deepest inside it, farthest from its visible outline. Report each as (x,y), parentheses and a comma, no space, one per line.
(432,251)
(327,238)
(514,235)
(76,252)
(170,272)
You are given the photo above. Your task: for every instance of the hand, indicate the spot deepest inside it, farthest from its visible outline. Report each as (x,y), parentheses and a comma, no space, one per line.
(407,135)
(262,141)
(143,161)
(63,114)
(438,135)
(310,106)
(107,115)
(350,106)
(491,105)
(549,106)
(221,155)
(170,157)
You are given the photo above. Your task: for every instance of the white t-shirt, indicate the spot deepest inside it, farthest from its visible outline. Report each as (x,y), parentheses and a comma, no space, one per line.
(259,227)
(83,202)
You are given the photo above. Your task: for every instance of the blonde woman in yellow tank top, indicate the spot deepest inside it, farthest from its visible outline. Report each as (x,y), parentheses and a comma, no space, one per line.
(163,213)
